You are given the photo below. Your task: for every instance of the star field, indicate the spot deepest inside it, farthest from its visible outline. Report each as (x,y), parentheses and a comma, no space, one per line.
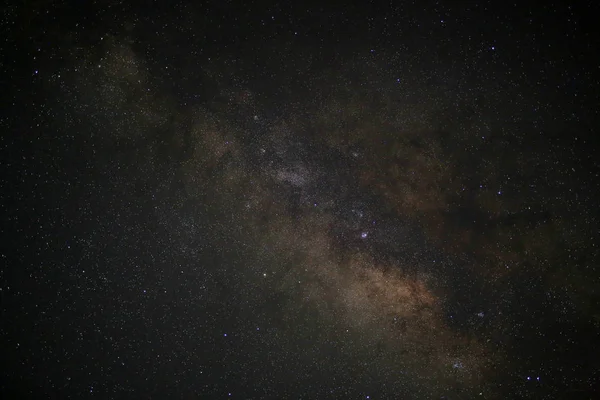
(254,201)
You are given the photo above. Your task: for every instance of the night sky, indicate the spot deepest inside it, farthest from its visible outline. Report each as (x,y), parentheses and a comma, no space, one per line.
(241,200)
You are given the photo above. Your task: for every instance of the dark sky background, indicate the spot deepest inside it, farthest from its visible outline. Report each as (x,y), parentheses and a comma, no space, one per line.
(299,201)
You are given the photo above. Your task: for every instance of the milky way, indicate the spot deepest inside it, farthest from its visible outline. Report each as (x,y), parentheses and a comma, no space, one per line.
(295,219)
(319,236)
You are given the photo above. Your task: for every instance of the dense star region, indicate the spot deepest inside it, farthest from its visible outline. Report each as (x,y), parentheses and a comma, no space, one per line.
(378,201)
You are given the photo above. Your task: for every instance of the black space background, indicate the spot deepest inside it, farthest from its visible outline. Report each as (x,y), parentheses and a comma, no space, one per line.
(109,292)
